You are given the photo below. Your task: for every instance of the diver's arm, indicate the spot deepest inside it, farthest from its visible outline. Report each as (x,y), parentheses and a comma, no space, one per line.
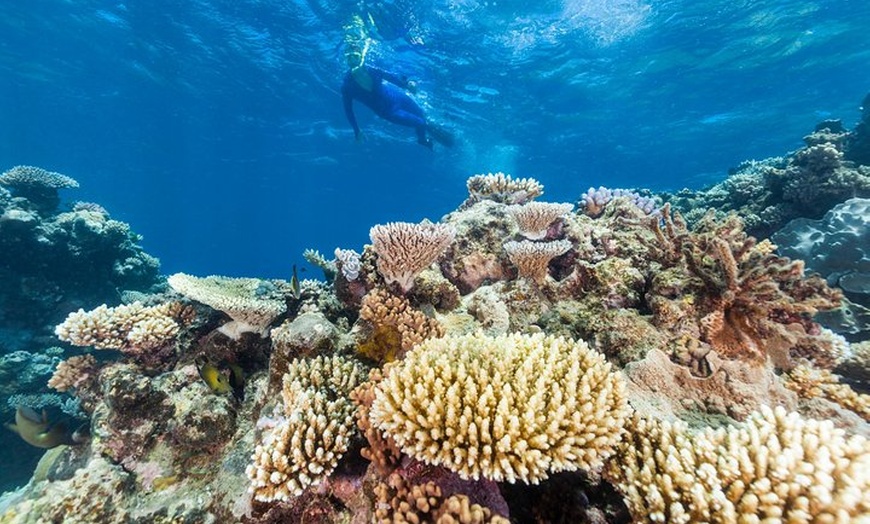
(348,112)
(398,80)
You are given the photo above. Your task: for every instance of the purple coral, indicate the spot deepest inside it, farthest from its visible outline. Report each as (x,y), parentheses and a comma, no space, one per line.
(594,200)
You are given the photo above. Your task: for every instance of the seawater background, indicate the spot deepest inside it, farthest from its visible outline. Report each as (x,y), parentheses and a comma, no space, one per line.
(215,128)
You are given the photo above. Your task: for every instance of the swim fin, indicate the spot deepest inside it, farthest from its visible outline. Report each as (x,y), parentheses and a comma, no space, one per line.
(441,135)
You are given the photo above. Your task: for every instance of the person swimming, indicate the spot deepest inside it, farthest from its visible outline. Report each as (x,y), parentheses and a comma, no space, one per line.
(385,94)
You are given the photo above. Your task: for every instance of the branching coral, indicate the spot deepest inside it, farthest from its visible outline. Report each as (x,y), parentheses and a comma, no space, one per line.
(404,249)
(252,303)
(503,188)
(74,373)
(776,467)
(809,382)
(133,328)
(534,218)
(532,258)
(748,300)
(310,432)
(398,501)
(393,326)
(509,408)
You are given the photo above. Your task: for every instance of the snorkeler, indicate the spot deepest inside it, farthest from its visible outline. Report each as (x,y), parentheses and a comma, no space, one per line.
(384,93)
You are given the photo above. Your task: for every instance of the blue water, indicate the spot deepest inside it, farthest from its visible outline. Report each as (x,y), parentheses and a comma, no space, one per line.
(216,128)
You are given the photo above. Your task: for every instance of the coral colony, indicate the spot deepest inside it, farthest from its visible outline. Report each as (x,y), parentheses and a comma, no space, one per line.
(633,359)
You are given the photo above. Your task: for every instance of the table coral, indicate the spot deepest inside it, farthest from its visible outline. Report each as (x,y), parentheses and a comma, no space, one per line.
(509,408)
(534,218)
(532,258)
(252,303)
(502,188)
(405,250)
(776,467)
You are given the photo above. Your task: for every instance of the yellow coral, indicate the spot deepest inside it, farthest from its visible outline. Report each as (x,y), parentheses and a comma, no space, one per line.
(396,327)
(810,383)
(310,432)
(509,408)
(130,328)
(776,467)
(398,502)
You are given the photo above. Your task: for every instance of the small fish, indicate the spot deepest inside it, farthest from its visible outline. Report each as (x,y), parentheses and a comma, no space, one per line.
(295,288)
(37,431)
(237,380)
(213,377)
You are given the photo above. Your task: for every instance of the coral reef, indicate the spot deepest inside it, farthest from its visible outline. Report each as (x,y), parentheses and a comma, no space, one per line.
(436,376)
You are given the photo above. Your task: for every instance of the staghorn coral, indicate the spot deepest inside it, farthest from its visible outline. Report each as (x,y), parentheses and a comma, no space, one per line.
(810,382)
(398,501)
(392,326)
(251,303)
(502,188)
(532,258)
(776,467)
(534,218)
(133,329)
(404,249)
(509,408)
(311,430)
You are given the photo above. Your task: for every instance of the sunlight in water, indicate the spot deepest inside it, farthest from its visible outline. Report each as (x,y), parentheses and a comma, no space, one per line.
(606,21)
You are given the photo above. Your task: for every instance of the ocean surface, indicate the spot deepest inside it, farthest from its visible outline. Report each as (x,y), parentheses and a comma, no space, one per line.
(215,128)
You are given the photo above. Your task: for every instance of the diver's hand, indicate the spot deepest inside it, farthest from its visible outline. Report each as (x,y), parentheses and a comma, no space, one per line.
(412,86)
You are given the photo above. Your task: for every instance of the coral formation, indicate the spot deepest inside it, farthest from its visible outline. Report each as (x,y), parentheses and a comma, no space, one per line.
(502,188)
(509,408)
(404,249)
(535,218)
(134,329)
(533,258)
(251,303)
(392,326)
(776,466)
(301,445)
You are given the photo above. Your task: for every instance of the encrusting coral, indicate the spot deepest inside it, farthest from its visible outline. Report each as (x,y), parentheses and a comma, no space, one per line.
(509,408)
(311,430)
(405,250)
(775,467)
(251,303)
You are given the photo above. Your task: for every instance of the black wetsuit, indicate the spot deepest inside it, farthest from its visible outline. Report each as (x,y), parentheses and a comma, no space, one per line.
(387,99)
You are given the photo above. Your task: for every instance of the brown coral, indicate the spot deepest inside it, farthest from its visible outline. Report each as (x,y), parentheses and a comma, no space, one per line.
(534,218)
(393,326)
(398,501)
(809,382)
(532,258)
(404,249)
